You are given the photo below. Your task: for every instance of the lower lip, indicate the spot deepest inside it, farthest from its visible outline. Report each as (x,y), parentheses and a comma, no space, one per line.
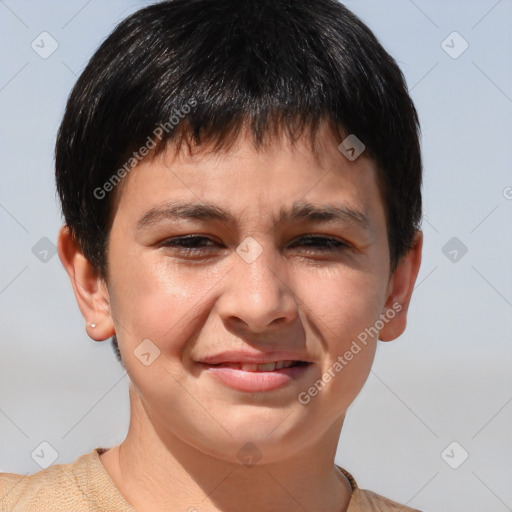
(255,382)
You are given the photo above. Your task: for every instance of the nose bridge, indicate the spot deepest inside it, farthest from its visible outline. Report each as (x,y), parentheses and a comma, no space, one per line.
(258,291)
(257,268)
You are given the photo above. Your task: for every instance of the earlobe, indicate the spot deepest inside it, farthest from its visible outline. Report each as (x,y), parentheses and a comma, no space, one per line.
(400,291)
(90,289)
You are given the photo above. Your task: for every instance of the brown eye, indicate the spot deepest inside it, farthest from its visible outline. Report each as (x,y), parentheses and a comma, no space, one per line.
(193,244)
(321,243)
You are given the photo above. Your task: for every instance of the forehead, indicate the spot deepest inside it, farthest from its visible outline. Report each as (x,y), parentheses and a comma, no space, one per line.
(281,180)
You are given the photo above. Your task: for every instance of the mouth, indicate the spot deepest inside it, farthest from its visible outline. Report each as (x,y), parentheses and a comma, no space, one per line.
(258,377)
(264,367)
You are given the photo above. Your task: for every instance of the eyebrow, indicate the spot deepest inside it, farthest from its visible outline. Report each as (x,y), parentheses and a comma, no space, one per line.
(300,211)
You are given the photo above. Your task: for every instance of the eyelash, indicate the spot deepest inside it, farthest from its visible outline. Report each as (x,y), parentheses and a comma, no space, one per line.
(182,243)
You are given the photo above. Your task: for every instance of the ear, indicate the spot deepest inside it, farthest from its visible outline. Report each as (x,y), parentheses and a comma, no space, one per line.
(401,285)
(90,290)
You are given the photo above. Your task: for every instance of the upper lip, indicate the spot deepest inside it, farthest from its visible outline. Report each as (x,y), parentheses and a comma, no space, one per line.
(247,356)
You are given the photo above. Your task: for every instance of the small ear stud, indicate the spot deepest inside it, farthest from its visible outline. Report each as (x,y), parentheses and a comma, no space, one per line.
(93,325)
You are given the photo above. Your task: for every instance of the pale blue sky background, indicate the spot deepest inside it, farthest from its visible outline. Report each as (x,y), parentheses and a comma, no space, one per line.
(448,378)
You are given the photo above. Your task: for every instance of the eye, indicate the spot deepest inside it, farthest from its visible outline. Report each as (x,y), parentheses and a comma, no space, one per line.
(321,243)
(196,245)
(190,244)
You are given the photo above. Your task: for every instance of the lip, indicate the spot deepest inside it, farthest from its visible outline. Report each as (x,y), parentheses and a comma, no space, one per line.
(252,356)
(257,381)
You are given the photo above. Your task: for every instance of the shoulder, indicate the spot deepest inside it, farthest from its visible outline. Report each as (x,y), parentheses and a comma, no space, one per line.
(369,501)
(363,500)
(24,493)
(70,487)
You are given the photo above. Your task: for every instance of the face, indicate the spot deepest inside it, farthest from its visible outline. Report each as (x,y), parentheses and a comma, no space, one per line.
(247,275)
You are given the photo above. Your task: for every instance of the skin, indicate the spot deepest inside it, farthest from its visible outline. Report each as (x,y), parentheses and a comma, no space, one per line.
(187,427)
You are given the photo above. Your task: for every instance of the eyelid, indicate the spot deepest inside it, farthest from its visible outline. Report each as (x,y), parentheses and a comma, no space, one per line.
(328,243)
(325,238)
(175,241)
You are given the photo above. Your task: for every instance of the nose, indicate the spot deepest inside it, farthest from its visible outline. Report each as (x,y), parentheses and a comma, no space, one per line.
(258,296)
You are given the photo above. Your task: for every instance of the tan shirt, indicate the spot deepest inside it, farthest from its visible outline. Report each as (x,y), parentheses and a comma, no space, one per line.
(85,485)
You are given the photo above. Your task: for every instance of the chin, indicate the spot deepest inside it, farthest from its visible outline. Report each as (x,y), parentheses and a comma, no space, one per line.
(270,439)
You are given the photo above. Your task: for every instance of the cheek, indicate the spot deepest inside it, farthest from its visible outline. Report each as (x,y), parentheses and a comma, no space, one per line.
(343,308)
(166,304)
(342,302)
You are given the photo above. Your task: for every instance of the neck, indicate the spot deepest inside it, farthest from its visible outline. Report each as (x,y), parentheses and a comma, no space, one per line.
(158,471)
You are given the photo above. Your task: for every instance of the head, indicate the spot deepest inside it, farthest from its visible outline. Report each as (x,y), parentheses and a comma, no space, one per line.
(222,120)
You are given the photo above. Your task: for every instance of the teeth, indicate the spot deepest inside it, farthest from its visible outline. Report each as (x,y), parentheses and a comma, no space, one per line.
(249,367)
(267,367)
